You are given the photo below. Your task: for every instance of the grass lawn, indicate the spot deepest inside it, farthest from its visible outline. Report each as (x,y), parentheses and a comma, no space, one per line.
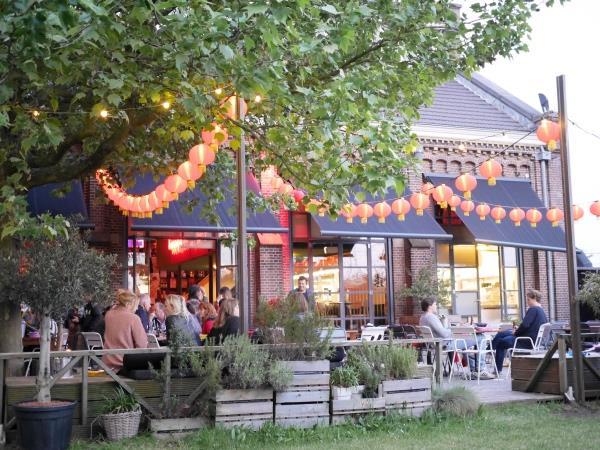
(544,426)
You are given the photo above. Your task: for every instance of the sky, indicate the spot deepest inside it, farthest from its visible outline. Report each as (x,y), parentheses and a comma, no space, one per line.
(564,41)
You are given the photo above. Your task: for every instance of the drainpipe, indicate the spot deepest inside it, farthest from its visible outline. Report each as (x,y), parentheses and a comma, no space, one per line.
(543,157)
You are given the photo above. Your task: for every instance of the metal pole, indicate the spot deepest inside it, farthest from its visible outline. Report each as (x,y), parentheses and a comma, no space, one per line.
(242,241)
(571,256)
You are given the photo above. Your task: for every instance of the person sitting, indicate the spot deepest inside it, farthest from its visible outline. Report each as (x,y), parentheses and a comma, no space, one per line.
(159,320)
(144,310)
(195,292)
(534,318)
(93,320)
(193,307)
(227,323)
(208,314)
(224,294)
(123,328)
(181,326)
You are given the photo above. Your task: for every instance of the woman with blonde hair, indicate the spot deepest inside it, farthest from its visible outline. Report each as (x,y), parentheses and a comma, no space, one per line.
(180,323)
(123,328)
(208,314)
(228,321)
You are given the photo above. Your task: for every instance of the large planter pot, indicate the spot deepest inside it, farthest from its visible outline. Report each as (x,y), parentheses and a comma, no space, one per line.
(412,396)
(345,393)
(243,407)
(122,425)
(305,402)
(177,427)
(45,426)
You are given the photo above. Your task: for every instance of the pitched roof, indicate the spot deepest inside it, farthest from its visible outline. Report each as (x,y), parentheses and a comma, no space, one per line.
(477,104)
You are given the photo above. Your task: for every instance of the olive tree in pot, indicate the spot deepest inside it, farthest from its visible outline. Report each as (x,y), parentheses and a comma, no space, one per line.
(50,276)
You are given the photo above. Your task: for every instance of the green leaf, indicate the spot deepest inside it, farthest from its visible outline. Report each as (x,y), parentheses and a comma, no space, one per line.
(114,99)
(226,51)
(187,135)
(256,9)
(115,83)
(330,9)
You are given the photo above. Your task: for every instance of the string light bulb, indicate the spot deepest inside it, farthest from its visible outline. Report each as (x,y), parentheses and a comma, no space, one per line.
(35,113)
(218,91)
(104,113)
(257,99)
(166,105)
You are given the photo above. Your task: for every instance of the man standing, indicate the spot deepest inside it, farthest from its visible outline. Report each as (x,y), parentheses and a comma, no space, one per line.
(533,320)
(304,290)
(143,310)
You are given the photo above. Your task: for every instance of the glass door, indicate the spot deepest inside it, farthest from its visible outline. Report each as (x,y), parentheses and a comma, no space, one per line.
(325,279)
(356,284)
(489,283)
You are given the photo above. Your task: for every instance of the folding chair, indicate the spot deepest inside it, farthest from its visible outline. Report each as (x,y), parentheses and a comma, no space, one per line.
(92,341)
(541,340)
(462,337)
(373,333)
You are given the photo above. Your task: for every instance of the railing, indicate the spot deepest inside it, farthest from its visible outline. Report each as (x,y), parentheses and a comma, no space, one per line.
(87,356)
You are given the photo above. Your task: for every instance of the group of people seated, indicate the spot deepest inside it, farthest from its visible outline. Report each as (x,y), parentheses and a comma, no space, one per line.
(504,340)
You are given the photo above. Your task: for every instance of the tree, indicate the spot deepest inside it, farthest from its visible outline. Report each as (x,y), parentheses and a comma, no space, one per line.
(83,85)
(51,276)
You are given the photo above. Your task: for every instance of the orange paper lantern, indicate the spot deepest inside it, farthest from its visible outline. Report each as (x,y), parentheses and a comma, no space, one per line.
(441,194)
(482,210)
(467,206)
(216,135)
(549,133)
(364,211)
(453,202)
(155,202)
(201,155)
(517,215)
(175,185)
(381,210)
(164,195)
(595,208)
(578,212)
(491,169)
(498,213)
(533,216)
(466,183)
(349,212)
(554,215)
(419,202)
(400,207)
(190,173)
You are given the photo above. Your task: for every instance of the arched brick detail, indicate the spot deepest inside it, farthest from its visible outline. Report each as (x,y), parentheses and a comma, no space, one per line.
(427,165)
(510,170)
(441,166)
(454,167)
(469,167)
(525,171)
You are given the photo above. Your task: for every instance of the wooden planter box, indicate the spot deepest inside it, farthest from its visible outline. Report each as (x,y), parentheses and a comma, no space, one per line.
(412,396)
(243,407)
(306,402)
(176,427)
(345,410)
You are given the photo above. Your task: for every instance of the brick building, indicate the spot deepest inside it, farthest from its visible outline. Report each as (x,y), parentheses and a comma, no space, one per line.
(356,270)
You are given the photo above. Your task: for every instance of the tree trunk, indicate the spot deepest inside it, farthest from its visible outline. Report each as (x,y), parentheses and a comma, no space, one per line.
(10,335)
(43,378)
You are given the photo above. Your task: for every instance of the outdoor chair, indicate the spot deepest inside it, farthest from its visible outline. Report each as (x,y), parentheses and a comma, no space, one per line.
(153,341)
(403,331)
(425,332)
(373,333)
(541,340)
(462,337)
(92,341)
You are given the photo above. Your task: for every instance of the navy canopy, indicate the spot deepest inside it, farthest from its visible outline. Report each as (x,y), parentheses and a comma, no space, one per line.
(413,227)
(176,218)
(508,193)
(42,200)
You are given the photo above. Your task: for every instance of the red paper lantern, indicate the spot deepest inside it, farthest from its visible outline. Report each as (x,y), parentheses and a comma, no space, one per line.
(491,169)
(498,213)
(554,215)
(190,173)
(298,195)
(427,188)
(164,195)
(419,202)
(364,211)
(145,207)
(176,185)
(533,216)
(482,210)
(517,215)
(441,194)
(578,212)
(595,208)
(453,202)
(400,207)
(549,133)
(155,202)
(381,210)
(466,183)
(467,206)
(216,135)
(285,189)
(349,212)
(201,155)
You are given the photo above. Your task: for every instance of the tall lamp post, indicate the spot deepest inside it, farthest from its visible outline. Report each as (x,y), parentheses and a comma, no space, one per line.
(570,242)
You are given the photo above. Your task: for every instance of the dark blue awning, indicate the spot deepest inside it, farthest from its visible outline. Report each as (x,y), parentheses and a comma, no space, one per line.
(508,193)
(176,218)
(413,227)
(42,200)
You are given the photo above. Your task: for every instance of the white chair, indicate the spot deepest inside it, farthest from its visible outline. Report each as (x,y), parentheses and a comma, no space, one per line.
(373,333)
(542,337)
(336,335)
(153,341)
(93,341)
(463,337)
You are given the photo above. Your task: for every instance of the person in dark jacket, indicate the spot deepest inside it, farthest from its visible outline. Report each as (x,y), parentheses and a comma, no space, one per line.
(227,323)
(93,319)
(180,323)
(143,311)
(533,320)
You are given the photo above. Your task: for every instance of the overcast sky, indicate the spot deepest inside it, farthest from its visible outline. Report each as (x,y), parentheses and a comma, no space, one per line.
(564,41)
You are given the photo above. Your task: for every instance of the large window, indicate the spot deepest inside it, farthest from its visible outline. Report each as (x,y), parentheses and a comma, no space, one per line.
(484,280)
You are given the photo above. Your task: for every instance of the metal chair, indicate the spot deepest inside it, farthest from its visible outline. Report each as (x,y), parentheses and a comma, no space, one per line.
(92,340)
(373,334)
(462,337)
(153,341)
(540,344)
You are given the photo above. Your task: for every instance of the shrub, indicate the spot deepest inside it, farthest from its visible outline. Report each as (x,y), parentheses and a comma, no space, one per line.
(457,402)
(344,377)
(590,292)
(280,376)
(122,402)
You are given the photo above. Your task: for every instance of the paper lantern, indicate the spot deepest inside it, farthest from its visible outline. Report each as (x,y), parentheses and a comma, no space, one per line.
(230,105)
(400,207)
(517,215)
(190,173)
(381,210)
(175,185)
(549,133)
(578,212)
(419,202)
(595,208)
(155,202)
(164,195)
(467,206)
(298,195)
(441,194)
(427,188)
(126,204)
(498,213)
(554,215)
(482,210)
(285,189)
(145,207)
(216,135)
(491,169)
(533,216)
(349,212)
(466,183)
(453,202)
(364,211)
(201,155)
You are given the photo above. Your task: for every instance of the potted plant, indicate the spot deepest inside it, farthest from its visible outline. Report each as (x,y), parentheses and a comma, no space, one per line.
(50,276)
(589,293)
(344,383)
(425,284)
(121,416)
